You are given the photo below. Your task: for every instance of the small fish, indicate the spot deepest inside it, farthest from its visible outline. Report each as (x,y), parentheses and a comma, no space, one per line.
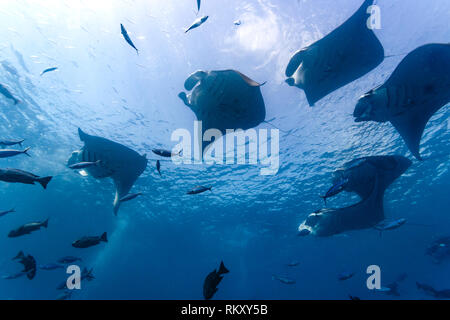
(68,259)
(130,196)
(10,68)
(20,176)
(4,90)
(87,274)
(6,212)
(27,229)
(9,143)
(5,153)
(62,285)
(283,279)
(237,23)
(166,153)
(346,275)
(20,59)
(199,189)
(385,225)
(87,242)
(49,70)
(28,262)
(335,189)
(127,37)
(197,23)
(293,264)
(212,280)
(20,255)
(83,165)
(14,276)
(51,266)
(67,294)
(158,167)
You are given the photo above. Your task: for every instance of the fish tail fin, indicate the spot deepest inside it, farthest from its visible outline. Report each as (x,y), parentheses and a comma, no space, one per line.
(104,237)
(210,189)
(20,143)
(16,101)
(44,181)
(26,151)
(19,255)
(180,154)
(45,223)
(222,268)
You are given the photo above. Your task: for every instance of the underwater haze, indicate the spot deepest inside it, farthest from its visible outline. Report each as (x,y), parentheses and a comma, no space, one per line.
(164,243)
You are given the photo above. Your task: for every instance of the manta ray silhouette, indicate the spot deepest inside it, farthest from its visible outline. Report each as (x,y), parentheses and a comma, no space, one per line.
(224,99)
(117,161)
(344,55)
(369,177)
(417,89)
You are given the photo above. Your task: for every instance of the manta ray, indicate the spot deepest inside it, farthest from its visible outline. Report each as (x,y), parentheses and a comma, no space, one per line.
(225,99)
(117,161)
(369,177)
(344,55)
(417,89)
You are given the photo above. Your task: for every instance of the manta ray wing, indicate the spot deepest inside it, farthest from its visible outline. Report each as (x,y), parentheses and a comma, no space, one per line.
(344,55)
(119,162)
(193,79)
(424,77)
(411,126)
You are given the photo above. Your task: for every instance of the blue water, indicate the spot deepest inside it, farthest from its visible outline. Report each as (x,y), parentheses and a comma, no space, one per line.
(162,245)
